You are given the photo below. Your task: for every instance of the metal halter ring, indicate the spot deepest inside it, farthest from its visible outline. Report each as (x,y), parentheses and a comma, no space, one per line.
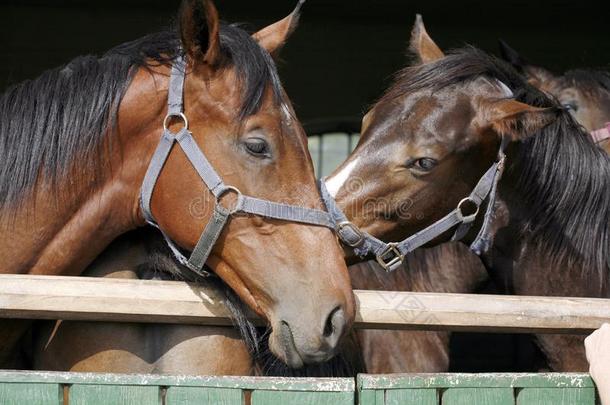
(390,257)
(239,204)
(354,229)
(460,213)
(170,115)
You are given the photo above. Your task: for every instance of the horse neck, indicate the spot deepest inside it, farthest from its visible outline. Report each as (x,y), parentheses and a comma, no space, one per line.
(449,267)
(61,236)
(557,251)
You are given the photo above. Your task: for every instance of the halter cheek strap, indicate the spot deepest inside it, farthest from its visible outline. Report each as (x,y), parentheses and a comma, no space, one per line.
(220,214)
(391,255)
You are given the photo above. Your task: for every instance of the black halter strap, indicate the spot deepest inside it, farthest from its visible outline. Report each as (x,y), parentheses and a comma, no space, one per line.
(391,255)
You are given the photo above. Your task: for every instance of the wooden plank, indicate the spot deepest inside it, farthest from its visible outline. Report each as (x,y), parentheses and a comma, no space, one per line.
(481,380)
(248,383)
(101,299)
(428,396)
(269,397)
(81,394)
(30,393)
(478,396)
(478,312)
(203,396)
(556,396)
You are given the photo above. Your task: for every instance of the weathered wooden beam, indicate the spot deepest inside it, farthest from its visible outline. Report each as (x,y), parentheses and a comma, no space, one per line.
(123,300)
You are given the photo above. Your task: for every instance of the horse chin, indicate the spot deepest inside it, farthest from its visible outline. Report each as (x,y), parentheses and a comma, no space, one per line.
(282,345)
(281,341)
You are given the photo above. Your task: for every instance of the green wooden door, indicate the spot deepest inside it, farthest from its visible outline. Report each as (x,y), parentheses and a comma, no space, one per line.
(27,388)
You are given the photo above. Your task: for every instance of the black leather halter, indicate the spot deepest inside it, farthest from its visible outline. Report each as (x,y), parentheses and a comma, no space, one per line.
(391,255)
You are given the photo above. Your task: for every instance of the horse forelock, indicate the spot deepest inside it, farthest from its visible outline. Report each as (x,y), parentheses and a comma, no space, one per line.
(590,81)
(458,66)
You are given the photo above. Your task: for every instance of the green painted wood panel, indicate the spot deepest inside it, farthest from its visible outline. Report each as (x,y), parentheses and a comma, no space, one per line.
(46,388)
(482,380)
(84,394)
(371,397)
(265,397)
(30,394)
(427,396)
(478,396)
(203,396)
(248,383)
(556,396)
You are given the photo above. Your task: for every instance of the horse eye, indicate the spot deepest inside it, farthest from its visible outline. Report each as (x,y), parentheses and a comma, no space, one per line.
(257,147)
(571,106)
(425,164)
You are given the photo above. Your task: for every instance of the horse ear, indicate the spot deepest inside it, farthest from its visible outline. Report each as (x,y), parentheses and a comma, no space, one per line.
(511,56)
(199,31)
(366,120)
(539,77)
(422,45)
(535,75)
(515,119)
(273,37)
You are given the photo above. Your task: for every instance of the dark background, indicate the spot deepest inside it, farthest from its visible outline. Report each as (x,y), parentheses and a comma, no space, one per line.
(344,52)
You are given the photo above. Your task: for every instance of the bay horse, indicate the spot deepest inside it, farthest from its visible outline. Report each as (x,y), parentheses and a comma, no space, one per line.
(181,349)
(78,141)
(584,92)
(449,267)
(436,131)
(125,347)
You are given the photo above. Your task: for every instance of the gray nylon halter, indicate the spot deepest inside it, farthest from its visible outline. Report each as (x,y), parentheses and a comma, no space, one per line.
(391,255)
(214,183)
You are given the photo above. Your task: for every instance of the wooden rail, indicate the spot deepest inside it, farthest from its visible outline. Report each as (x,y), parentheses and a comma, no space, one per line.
(123,300)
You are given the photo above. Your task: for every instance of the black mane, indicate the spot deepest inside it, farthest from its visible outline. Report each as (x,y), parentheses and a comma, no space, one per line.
(64,115)
(563,177)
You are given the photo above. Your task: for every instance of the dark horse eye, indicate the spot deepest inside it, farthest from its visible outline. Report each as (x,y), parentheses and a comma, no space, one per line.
(257,147)
(572,106)
(425,164)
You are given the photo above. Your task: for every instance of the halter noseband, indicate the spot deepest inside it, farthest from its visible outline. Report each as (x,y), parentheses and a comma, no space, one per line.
(391,255)
(214,183)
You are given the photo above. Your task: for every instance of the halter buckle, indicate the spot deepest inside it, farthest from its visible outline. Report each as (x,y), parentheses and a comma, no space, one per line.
(352,228)
(464,217)
(390,257)
(239,204)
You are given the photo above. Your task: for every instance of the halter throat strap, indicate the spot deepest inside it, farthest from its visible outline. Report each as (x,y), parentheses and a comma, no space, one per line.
(221,214)
(391,255)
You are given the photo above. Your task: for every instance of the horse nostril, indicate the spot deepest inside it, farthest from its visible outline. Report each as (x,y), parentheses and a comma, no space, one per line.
(333,322)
